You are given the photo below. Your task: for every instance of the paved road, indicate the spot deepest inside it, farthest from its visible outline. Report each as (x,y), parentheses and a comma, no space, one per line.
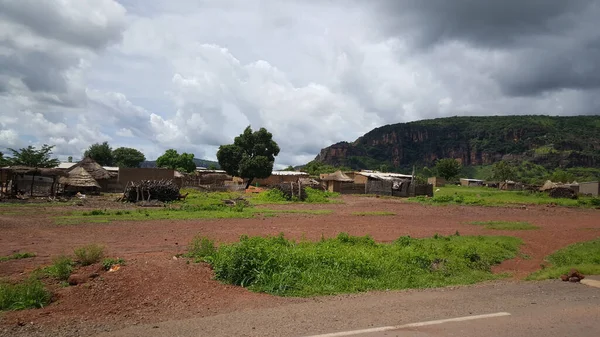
(537,309)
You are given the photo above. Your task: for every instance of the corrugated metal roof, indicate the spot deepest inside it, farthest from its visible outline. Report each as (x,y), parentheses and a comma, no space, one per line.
(65,165)
(289,173)
(384,176)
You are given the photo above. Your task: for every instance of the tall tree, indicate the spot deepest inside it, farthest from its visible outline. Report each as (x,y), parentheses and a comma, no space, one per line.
(503,171)
(128,157)
(32,157)
(447,168)
(101,153)
(251,155)
(3,161)
(175,161)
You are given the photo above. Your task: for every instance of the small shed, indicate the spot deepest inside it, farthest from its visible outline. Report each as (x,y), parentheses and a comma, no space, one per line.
(23,181)
(335,180)
(470,182)
(591,188)
(436,181)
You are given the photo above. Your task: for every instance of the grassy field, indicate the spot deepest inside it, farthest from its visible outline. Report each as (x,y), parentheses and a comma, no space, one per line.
(198,205)
(493,197)
(584,256)
(504,225)
(348,264)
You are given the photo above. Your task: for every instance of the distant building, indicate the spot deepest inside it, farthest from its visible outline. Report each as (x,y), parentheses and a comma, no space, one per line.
(436,181)
(590,188)
(470,182)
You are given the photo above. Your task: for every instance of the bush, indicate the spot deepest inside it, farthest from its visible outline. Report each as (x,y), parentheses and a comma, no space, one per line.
(318,196)
(89,254)
(61,268)
(201,247)
(350,264)
(28,294)
(109,262)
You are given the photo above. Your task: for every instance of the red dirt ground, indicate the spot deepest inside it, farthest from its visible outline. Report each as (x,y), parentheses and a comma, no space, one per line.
(155,287)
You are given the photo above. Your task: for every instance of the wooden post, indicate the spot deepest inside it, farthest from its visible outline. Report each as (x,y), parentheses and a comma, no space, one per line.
(32,183)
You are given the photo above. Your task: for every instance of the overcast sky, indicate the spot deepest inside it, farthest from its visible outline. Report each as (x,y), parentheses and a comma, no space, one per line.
(192,74)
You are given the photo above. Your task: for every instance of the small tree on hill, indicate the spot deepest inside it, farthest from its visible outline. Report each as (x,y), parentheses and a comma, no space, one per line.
(447,168)
(503,171)
(31,157)
(181,162)
(251,155)
(289,168)
(101,153)
(128,157)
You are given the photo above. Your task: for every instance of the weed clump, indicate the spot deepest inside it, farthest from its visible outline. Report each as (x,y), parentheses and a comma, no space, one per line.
(61,268)
(24,295)
(89,254)
(16,256)
(346,263)
(107,263)
(201,248)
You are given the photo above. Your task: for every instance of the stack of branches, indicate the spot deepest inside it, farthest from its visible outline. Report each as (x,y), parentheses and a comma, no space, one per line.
(146,190)
(292,191)
(562,192)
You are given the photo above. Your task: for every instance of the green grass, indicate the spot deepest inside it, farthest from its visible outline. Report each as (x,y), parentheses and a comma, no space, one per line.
(348,264)
(108,262)
(89,254)
(505,225)
(460,195)
(30,293)
(61,268)
(584,256)
(374,213)
(16,256)
(276,197)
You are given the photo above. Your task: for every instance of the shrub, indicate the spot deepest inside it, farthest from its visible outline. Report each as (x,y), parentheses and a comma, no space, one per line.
(89,254)
(28,294)
(271,196)
(319,196)
(61,268)
(350,264)
(201,247)
(109,262)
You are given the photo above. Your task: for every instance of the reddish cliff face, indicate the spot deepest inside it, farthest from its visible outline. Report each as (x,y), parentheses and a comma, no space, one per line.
(474,141)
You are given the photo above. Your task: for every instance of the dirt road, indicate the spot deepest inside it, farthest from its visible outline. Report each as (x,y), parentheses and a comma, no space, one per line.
(537,309)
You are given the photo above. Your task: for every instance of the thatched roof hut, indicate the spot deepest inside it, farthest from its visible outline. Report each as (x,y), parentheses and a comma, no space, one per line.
(50,172)
(94,169)
(79,177)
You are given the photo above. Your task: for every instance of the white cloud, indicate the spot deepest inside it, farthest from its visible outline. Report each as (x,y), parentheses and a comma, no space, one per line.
(192,75)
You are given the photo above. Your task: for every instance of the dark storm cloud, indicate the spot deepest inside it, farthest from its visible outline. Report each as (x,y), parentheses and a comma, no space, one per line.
(551,44)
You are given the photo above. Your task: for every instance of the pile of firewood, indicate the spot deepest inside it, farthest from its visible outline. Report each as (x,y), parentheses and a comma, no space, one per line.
(562,192)
(572,276)
(146,190)
(292,190)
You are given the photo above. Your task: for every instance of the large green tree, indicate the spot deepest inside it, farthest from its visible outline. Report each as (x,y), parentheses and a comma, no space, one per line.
(503,171)
(175,161)
(32,157)
(448,168)
(101,153)
(3,161)
(251,155)
(128,157)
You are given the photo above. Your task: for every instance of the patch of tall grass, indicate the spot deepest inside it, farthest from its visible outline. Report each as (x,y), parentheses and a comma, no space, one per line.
(16,256)
(348,264)
(27,294)
(583,256)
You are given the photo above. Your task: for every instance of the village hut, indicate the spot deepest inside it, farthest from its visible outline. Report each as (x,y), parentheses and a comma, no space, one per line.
(79,180)
(23,181)
(102,176)
(335,180)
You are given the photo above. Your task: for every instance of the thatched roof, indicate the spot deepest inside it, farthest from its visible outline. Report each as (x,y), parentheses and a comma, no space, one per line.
(94,169)
(79,177)
(338,176)
(34,170)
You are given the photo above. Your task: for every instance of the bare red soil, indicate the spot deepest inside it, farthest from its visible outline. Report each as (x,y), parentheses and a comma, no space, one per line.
(153,286)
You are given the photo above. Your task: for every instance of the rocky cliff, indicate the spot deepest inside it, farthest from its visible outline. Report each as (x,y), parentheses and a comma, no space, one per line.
(548,141)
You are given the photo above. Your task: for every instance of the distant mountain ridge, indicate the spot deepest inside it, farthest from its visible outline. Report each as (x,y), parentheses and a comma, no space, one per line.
(199,163)
(545,140)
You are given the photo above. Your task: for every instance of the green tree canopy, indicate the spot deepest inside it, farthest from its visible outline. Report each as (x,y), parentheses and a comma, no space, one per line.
(503,171)
(447,168)
(128,157)
(101,153)
(289,168)
(32,157)
(251,155)
(181,162)
(3,161)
